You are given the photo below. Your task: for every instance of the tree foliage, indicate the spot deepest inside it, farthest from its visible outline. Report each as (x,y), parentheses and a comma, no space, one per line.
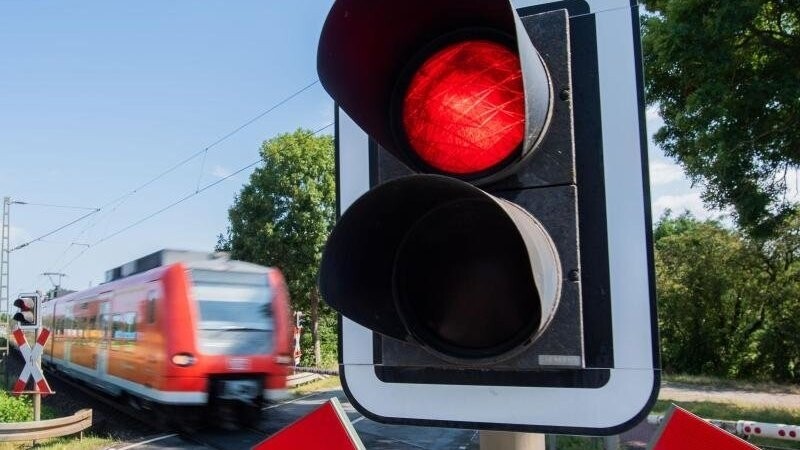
(725,75)
(283,216)
(728,303)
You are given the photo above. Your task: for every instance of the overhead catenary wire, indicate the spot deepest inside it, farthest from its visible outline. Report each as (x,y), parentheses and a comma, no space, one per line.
(176,203)
(213,144)
(55,231)
(118,201)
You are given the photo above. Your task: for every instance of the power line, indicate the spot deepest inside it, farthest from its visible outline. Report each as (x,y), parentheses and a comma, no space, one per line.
(213,144)
(55,231)
(176,203)
(121,199)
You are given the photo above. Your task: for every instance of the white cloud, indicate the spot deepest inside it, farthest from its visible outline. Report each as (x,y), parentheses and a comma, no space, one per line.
(680,203)
(663,172)
(221,172)
(653,120)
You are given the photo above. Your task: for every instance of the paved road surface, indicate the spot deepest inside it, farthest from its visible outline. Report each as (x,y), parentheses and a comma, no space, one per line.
(374,435)
(378,436)
(692,393)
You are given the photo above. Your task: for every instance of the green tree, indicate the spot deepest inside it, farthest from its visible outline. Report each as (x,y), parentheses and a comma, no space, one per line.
(283,216)
(725,75)
(706,308)
(776,349)
(728,302)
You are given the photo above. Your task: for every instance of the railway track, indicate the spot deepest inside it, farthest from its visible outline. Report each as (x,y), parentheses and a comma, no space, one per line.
(131,424)
(125,422)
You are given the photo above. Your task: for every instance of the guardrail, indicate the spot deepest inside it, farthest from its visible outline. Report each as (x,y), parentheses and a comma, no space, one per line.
(318,370)
(44,429)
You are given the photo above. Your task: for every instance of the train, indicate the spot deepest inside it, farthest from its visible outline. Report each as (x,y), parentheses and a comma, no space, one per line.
(183,334)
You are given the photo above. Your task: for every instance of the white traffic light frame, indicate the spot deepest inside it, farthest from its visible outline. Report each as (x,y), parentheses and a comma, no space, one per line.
(634,378)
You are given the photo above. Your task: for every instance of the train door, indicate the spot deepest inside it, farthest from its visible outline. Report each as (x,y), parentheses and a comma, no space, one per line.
(104,329)
(151,340)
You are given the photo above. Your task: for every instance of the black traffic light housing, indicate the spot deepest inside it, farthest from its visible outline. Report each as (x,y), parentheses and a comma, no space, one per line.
(496,278)
(28,314)
(432,261)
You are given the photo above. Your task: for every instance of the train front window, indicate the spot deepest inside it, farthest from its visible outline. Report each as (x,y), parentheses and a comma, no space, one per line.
(235,311)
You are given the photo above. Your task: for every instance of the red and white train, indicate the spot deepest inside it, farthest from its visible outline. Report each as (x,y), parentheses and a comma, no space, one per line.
(178,330)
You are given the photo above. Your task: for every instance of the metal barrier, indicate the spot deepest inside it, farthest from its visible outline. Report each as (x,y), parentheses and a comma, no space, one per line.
(44,429)
(318,370)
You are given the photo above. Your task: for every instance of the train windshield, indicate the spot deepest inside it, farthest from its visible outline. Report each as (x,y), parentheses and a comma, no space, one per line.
(232,300)
(235,312)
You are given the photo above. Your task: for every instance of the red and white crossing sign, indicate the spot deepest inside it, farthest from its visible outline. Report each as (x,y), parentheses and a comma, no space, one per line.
(31,356)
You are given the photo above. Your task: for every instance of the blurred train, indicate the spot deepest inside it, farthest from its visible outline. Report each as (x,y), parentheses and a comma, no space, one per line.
(185,334)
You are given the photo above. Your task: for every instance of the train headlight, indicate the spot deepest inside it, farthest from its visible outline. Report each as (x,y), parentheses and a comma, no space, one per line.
(183,359)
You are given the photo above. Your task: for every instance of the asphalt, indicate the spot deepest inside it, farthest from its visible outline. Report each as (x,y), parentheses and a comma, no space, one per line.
(378,436)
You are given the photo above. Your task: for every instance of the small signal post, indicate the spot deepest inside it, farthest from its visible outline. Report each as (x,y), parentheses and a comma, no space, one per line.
(492,261)
(27,315)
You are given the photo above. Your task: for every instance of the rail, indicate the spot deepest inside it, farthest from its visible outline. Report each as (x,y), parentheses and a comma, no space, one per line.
(44,429)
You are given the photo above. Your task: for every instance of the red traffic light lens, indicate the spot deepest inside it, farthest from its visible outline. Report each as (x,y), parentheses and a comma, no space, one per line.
(464,109)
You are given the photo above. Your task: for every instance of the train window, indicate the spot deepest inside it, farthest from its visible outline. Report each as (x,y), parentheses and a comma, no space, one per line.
(124,326)
(69,322)
(80,326)
(151,306)
(116,325)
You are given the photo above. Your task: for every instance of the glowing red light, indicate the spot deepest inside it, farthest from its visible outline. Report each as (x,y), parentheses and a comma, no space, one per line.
(464,109)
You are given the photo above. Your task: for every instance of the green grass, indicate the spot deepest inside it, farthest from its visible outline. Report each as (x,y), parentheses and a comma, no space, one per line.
(577,442)
(328,382)
(20,409)
(62,443)
(731,411)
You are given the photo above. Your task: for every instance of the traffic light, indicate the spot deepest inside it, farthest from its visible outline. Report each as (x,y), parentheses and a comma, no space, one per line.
(480,261)
(28,314)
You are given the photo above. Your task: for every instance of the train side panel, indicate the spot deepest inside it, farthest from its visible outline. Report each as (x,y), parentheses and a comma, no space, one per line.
(163,337)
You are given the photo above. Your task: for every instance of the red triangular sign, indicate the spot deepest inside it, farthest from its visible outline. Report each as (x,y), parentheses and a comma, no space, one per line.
(682,430)
(327,427)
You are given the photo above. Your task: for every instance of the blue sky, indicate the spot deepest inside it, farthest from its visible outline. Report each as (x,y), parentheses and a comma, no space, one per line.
(98,97)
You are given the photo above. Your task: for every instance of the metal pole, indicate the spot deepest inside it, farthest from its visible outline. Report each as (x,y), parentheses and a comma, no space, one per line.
(611,442)
(37,397)
(5,306)
(508,440)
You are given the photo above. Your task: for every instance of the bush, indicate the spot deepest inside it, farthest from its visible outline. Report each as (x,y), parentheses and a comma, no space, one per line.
(15,409)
